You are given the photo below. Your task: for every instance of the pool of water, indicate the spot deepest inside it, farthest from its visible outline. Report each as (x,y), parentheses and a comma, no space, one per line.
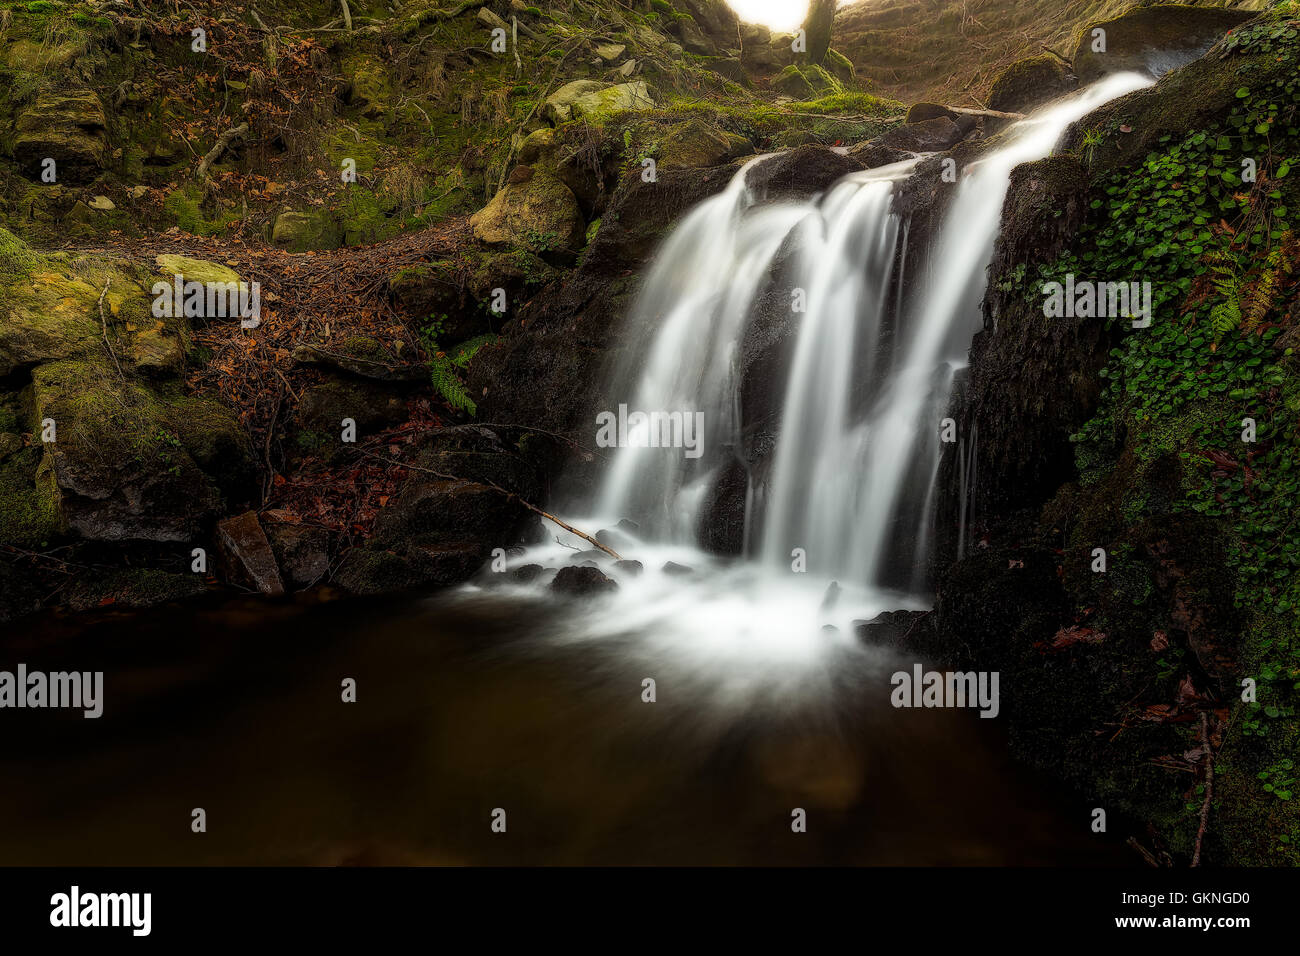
(472,701)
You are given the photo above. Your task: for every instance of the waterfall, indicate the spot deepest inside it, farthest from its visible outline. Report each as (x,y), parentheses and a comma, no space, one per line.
(852,484)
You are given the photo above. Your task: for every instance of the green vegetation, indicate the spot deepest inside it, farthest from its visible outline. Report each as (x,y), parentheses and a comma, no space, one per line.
(1222,254)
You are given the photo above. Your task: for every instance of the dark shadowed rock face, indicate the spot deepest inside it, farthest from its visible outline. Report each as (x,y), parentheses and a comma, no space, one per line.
(1152,40)
(245,554)
(1033,381)
(582,581)
(800,173)
(448,516)
(1030,83)
(722,513)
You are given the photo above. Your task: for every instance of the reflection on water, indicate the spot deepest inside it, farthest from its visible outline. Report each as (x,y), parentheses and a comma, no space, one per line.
(474,701)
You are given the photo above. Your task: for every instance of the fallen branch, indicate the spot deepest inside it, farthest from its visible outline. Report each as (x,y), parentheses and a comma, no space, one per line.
(1209,788)
(224,142)
(347,15)
(103,324)
(995,114)
(493,486)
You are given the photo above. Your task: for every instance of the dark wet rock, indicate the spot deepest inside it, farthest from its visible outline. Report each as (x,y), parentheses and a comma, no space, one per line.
(362,357)
(67,126)
(675,570)
(889,628)
(137,588)
(1033,381)
(245,554)
(323,408)
(582,582)
(831,597)
(920,112)
(722,512)
(903,142)
(20,591)
(129,464)
(302,552)
(628,526)
(589,555)
(801,173)
(527,573)
(1153,39)
(1029,83)
(615,540)
(439,531)
(633,568)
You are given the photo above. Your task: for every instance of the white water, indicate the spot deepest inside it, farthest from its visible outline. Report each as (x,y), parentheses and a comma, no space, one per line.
(854,477)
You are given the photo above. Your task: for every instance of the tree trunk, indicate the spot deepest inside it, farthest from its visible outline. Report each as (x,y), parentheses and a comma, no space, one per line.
(817,29)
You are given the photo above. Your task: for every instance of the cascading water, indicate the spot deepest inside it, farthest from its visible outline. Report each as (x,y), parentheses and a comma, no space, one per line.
(853,488)
(852,485)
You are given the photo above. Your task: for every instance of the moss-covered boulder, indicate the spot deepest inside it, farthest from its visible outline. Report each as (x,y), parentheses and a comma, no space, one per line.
(697,143)
(59,306)
(593,100)
(305,231)
(125,462)
(1151,40)
(540,213)
(1029,83)
(805,82)
(67,126)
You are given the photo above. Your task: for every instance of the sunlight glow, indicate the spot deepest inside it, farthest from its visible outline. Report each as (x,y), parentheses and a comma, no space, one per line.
(778,14)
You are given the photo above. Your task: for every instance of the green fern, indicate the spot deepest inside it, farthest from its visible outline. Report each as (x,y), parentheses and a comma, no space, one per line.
(1226,315)
(446,369)
(447,380)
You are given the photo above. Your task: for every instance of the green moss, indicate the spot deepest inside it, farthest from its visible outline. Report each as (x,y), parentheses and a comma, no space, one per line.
(17,260)
(29,508)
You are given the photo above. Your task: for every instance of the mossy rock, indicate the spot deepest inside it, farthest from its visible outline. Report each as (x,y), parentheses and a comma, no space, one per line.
(368,88)
(1029,83)
(54,312)
(305,232)
(805,83)
(134,588)
(839,66)
(125,460)
(68,127)
(595,101)
(540,213)
(1152,39)
(697,143)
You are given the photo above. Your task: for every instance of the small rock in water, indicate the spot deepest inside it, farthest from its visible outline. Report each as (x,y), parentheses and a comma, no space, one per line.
(591,554)
(832,596)
(633,568)
(614,540)
(624,524)
(673,569)
(582,581)
(526,573)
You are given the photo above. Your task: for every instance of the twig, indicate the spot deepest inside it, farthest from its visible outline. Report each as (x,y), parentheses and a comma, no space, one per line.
(1209,787)
(484,483)
(224,142)
(103,324)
